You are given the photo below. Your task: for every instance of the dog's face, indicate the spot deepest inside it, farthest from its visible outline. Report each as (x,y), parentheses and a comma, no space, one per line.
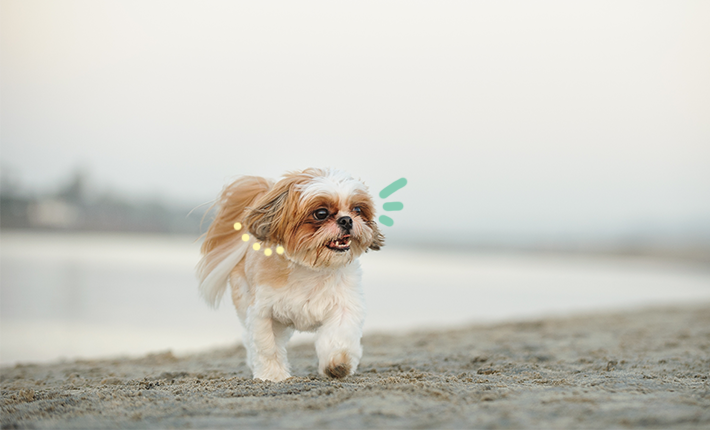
(322,218)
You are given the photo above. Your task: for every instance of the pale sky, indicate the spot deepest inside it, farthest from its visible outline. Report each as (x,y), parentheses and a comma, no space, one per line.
(530,118)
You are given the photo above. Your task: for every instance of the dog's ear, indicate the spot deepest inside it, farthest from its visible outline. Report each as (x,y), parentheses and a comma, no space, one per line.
(263,219)
(266,220)
(378,239)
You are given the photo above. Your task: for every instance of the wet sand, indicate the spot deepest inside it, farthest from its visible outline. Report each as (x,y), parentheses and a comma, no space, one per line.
(645,368)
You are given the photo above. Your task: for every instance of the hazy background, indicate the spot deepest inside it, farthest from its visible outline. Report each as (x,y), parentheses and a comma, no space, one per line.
(556,126)
(544,120)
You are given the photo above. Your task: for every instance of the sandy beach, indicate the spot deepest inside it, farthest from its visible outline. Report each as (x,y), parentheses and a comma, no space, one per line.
(645,368)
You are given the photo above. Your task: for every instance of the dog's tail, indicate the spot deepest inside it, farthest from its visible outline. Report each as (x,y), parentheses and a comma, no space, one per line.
(223,247)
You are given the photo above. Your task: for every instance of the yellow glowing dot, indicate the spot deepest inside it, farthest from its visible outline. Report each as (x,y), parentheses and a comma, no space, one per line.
(256,246)
(279,249)
(267,251)
(245,237)
(237,226)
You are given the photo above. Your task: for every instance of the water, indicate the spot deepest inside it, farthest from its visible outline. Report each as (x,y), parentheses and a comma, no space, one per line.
(66,296)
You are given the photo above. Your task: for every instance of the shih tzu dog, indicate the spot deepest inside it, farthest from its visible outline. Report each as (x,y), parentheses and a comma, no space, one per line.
(319,221)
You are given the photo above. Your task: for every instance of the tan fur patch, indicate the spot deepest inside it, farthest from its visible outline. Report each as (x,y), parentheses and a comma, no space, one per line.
(271,217)
(233,202)
(272,271)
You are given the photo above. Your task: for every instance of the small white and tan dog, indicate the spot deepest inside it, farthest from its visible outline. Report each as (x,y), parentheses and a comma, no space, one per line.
(320,221)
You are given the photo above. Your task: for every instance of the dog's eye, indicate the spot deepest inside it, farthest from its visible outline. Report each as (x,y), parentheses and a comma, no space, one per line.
(357,210)
(320,214)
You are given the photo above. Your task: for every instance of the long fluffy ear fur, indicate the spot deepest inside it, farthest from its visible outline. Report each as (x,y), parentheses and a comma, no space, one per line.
(223,247)
(378,239)
(266,219)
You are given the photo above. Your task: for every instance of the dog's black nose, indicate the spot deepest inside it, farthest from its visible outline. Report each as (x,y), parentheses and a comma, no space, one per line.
(345,222)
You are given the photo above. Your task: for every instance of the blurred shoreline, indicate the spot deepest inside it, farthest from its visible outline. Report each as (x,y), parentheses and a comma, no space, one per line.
(78,206)
(694,253)
(687,254)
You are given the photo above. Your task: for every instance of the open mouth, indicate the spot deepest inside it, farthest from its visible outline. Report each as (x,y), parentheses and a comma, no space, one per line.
(340,245)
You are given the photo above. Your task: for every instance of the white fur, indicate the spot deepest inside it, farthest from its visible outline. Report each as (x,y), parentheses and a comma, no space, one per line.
(329,302)
(214,283)
(336,184)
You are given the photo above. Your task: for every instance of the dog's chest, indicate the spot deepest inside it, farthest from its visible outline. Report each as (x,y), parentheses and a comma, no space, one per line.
(307,303)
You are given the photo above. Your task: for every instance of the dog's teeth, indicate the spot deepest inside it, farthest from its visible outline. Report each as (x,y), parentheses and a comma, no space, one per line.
(341,244)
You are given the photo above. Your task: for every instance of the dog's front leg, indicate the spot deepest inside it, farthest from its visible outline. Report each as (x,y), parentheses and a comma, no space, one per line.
(338,344)
(266,341)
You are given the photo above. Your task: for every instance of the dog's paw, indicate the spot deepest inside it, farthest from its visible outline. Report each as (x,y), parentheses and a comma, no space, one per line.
(273,377)
(272,372)
(339,366)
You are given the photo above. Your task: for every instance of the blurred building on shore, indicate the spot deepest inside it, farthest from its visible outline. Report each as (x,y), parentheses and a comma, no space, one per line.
(76,207)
